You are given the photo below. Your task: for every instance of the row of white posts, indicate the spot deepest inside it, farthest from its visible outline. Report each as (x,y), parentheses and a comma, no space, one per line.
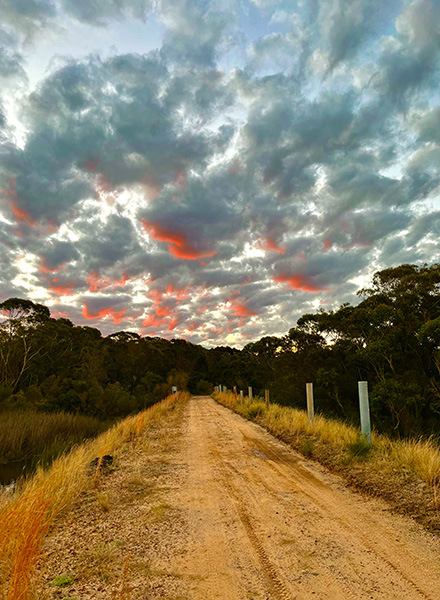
(364,406)
(223,389)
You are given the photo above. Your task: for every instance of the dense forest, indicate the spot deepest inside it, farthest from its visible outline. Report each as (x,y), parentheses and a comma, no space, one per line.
(391,339)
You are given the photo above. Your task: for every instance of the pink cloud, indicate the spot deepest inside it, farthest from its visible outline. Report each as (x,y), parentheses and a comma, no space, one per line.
(299,282)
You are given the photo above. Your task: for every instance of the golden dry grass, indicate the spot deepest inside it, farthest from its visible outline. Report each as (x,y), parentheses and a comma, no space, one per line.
(26,515)
(420,457)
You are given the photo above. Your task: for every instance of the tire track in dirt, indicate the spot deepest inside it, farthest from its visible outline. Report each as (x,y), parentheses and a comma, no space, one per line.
(273,580)
(271,453)
(271,525)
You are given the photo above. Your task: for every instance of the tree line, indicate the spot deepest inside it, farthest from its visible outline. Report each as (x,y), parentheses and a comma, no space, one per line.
(391,339)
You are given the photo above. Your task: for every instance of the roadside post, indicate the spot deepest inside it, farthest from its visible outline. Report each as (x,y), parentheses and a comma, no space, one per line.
(266,397)
(235,390)
(250,394)
(241,396)
(364,408)
(310,405)
(174,389)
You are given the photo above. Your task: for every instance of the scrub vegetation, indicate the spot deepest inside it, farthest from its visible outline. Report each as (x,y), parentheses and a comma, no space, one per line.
(42,436)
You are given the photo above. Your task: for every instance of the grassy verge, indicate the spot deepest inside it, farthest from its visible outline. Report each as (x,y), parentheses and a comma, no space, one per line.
(404,472)
(30,434)
(26,515)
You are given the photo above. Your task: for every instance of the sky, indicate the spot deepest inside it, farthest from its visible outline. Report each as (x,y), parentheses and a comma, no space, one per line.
(214,169)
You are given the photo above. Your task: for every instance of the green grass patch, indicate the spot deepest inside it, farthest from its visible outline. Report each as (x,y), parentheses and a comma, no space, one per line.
(63,580)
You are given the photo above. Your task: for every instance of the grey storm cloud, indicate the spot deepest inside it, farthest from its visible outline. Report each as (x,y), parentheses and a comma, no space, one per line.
(11,58)
(105,244)
(345,27)
(120,130)
(58,253)
(427,126)
(27,16)
(98,12)
(33,14)
(196,30)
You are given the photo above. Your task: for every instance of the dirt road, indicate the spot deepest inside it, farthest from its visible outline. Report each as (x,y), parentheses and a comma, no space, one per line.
(263,523)
(209,506)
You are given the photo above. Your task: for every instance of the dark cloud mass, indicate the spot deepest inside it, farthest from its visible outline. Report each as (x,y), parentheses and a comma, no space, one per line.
(227,181)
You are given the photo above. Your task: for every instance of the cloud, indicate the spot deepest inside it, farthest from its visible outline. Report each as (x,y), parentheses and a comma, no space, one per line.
(11,59)
(27,16)
(178,245)
(98,12)
(185,192)
(297,281)
(346,27)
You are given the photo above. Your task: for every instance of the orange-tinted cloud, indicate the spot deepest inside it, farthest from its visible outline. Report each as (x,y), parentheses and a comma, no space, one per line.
(21,215)
(152,321)
(299,282)
(43,268)
(327,245)
(357,245)
(109,311)
(173,323)
(61,288)
(97,283)
(239,309)
(270,245)
(178,244)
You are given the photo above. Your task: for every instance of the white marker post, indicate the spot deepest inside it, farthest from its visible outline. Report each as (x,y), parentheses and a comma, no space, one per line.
(241,396)
(250,394)
(310,405)
(364,408)
(266,397)
(174,389)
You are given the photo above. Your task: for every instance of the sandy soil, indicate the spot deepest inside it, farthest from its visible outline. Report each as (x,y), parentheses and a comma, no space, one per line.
(224,511)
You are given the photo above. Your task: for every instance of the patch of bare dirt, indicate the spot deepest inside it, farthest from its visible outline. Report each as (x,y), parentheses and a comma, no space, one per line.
(404,492)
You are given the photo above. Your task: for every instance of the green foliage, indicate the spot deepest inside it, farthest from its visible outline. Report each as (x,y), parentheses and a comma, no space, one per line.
(359,449)
(306,447)
(253,410)
(63,580)
(390,339)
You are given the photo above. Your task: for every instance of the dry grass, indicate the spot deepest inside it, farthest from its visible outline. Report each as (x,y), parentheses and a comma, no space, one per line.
(26,515)
(419,457)
(103,501)
(31,434)
(124,592)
